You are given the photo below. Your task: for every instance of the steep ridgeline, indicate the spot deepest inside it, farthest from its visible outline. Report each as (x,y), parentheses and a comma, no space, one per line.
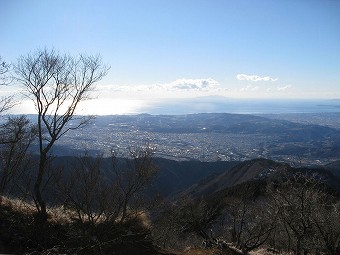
(254,175)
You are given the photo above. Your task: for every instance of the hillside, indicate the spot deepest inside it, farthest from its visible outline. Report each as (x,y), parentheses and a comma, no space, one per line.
(172,176)
(334,167)
(196,178)
(203,198)
(257,172)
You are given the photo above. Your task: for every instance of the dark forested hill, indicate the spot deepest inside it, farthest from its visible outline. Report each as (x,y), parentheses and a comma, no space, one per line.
(334,167)
(172,177)
(196,178)
(175,176)
(241,173)
(254,174)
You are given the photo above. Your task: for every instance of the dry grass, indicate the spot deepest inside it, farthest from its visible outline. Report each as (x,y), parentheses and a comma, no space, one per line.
(144,219)
(63,216)
(63,231)
(198,251)
(216,251)
(264,251)
(18,205)
(60,214)
(57,214)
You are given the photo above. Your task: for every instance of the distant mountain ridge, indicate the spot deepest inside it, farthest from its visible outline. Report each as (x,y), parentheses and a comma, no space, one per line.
(212,122)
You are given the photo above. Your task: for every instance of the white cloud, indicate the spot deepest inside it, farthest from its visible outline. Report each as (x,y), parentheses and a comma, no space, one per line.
(249,88)
(284,88)
(177,85)
(192,84)
(245,77)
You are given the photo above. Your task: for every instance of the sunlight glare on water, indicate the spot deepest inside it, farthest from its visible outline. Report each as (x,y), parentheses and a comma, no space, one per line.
(92,107)
(112,106)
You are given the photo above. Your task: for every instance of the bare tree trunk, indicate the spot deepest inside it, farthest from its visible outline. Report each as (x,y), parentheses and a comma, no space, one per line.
(124,210)
(56,84)
(298,250)
(40,203)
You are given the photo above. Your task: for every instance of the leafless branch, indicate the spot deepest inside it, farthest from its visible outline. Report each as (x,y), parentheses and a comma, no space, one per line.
(57,84)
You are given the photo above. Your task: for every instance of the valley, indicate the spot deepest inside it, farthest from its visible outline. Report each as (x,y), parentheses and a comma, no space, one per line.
(313,140)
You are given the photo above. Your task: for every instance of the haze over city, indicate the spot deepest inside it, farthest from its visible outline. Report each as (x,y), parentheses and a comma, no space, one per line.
(163,52)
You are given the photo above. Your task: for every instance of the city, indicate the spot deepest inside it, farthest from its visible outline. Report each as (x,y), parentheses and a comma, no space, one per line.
(225,137)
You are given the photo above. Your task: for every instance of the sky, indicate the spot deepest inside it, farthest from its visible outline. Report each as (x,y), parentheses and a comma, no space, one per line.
(162,51)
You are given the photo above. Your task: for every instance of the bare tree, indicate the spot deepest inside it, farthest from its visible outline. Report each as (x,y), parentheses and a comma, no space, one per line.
(6,102)
(86,190)
(56,84)
(299,201)
(186,220)
(16,135)
(133,178)
(251,224)
(327,223)
(198,216)
(4,72)
(108,206)
(99,195)
(165,227)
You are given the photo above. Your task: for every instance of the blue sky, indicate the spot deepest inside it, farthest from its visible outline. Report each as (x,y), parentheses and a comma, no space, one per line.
(190,48)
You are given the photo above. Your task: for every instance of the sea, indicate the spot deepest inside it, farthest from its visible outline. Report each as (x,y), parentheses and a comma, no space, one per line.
(243,106)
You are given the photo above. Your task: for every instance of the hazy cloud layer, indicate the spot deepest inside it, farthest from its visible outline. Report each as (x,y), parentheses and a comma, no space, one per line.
(284,88)
(191,88)
(249,88)
(245,77)
(189,84)
(187,87)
